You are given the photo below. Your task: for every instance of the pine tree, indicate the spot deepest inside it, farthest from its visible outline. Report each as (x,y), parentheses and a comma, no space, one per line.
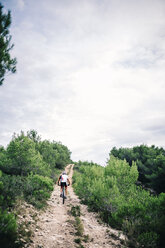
(7,64)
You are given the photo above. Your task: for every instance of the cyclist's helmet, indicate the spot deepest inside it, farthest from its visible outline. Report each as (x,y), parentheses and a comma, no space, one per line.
(64,173)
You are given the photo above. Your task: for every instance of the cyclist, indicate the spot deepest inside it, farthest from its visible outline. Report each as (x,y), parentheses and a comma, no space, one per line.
(63,181)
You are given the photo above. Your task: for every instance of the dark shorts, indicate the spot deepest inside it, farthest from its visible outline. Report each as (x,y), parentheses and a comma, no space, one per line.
(63,184)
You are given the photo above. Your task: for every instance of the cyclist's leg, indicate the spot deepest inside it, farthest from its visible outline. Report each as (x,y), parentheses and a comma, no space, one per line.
(66,189)
(61,189)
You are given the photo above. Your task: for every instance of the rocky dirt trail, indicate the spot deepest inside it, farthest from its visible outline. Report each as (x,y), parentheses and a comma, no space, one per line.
(56,226)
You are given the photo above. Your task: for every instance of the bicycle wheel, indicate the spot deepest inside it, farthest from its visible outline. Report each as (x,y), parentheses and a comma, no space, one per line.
(63,195)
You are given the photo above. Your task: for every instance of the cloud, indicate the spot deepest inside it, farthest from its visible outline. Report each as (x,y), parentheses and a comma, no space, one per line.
(143,57)
(90,74)
(21,4)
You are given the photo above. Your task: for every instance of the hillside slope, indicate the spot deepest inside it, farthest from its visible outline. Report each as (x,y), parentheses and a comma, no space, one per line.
(56,226)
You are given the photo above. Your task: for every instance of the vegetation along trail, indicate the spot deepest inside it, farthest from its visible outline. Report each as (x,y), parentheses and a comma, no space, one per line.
(71,225)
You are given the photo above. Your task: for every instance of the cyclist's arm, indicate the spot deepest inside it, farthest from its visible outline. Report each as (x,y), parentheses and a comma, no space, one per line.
(68,180)
(59,179)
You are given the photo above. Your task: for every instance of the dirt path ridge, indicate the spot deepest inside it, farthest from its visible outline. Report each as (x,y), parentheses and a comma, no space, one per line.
(55,227)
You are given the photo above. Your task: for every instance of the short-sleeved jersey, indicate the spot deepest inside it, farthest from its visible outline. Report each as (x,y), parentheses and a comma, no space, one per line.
(64,178)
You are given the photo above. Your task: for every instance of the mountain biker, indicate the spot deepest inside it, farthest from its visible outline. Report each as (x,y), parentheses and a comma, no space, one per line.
(64,182)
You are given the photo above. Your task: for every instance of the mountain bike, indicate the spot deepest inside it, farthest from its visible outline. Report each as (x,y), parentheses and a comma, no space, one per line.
(63,194)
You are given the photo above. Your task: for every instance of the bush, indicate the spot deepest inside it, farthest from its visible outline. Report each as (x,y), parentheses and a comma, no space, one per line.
(8,229)
(29,166)
(150,239)
(13,187)
(150,162)
(112,192)
(38,189)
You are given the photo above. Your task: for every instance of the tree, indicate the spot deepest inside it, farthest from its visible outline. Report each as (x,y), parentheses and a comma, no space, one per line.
(23,158)
(33,135)
(7,64)
(157,178)
(49,154)
(150,162)
(63,157)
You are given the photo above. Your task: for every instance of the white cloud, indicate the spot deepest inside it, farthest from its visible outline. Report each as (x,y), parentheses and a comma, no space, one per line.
(90,74)
(21,4)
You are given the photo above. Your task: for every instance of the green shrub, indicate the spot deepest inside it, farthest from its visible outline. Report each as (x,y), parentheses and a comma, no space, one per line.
(8,229)
(150,162)
(29,166)
(23,158)
(112,192)
(77,241)
(150,239)
(38,189)
(75,211)
(79,226)
(13,187)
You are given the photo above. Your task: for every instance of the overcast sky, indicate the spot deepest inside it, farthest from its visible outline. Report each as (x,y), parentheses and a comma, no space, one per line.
(90,73)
